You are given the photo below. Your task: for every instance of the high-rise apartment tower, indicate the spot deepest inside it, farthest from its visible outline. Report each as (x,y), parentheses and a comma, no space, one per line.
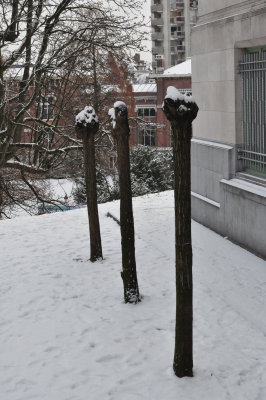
(171,22)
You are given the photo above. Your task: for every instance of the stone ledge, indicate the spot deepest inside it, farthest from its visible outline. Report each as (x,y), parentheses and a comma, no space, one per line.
(248,190)
(237,11)
(206,199)
(209,143)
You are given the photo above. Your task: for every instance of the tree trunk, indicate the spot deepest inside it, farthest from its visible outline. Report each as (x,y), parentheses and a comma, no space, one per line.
(1,198)
(181,110)
(129,270)
(183,356)
(91,190)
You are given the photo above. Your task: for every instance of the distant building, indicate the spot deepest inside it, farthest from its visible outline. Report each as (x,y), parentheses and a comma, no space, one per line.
(171,22)
(140,70)
(229,144)
(152,128)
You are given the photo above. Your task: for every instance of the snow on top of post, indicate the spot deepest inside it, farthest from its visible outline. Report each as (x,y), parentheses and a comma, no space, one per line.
(87,117)
(119,104)
(174,94)
(111,111)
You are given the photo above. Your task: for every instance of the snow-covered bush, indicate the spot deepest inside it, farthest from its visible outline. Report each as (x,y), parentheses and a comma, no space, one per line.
(151,172)
(107,187)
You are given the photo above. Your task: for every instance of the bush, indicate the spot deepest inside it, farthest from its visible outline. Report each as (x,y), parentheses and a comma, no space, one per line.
(151,172)
(107,187)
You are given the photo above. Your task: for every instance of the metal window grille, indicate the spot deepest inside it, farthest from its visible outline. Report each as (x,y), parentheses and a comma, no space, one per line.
(253,71)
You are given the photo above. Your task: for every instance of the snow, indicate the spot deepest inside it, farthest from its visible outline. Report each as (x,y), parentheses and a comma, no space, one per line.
(142,78)
(87,116)
(246,186)
(206,199)
(212,144)
(183,68)
(174,94)
(62,189)
(111,113)
(119,104)
(182,108)
(66,333)
(145,88)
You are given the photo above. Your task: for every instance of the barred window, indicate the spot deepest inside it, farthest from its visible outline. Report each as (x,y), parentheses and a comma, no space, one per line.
(253,151)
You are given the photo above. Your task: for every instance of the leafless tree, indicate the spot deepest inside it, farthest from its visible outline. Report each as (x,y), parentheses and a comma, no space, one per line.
(43,50)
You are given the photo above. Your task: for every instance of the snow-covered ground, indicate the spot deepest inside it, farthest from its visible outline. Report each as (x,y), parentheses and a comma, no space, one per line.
(57,190)
(65,333)
(61,189)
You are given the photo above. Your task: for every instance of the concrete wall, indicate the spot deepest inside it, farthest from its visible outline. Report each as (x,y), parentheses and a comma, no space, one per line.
(220,200)
(229,205)
(217,47)
(209,6)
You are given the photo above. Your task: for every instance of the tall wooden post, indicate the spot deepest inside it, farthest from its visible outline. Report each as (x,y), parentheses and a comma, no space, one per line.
(181,110)
(120,132)
(87,126)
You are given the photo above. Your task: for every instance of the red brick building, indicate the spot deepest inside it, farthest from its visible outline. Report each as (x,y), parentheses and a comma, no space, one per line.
(148,105)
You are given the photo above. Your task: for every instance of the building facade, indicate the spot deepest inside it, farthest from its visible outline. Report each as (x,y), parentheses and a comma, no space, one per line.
(229,144)
(171,22)
(153,128)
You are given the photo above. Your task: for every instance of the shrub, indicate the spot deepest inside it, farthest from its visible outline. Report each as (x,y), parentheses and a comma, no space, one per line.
(151,172)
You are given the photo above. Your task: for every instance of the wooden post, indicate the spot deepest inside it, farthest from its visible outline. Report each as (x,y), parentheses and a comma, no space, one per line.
(120,132)
(87,126)
(181,111)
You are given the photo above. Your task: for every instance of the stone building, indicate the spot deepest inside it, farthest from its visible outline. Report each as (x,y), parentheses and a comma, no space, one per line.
(171,22)
(229,144)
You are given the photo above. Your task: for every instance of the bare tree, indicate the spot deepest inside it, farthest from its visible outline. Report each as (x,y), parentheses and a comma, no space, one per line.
(43,51)
(87,125)
(181,110)
(120,132)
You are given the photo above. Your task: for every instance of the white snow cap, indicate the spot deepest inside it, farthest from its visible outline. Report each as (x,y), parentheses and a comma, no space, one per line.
(119,103)
(111,111)
(174,94)
(86,116)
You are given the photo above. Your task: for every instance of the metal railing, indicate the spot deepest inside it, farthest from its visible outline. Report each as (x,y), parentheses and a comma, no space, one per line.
(253,70)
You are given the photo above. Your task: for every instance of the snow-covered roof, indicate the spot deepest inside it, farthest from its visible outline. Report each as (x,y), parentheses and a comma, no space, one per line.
(145,88)
(183,68)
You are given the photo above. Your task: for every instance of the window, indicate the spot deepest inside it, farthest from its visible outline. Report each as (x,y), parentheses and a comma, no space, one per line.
(146,112)
(253,70)
(173,30)
(147,136)
(45,107)
(193,3)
